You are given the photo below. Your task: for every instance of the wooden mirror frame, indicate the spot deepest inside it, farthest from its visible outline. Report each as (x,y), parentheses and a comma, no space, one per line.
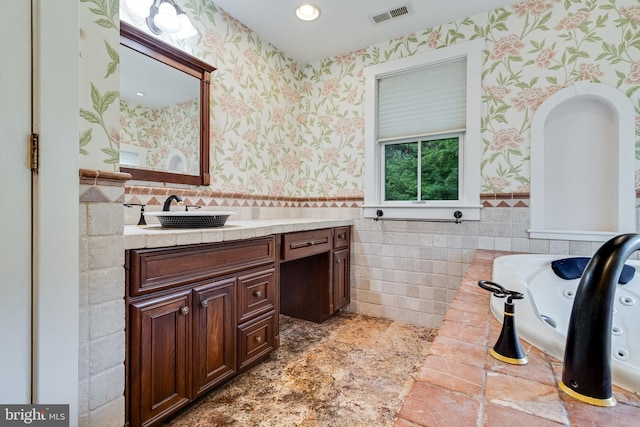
(150,46)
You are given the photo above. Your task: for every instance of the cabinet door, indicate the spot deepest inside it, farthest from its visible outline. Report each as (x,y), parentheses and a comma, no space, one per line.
(160,357)
(341,285)
(214,358)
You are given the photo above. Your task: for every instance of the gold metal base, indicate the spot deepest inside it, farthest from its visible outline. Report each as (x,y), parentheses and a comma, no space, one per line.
(510,360)
(611,401)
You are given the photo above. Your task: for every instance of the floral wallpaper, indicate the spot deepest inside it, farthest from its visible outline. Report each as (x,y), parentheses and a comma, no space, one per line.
(280,128)
(537,48)
(163,130)
(533,49)
(99,83)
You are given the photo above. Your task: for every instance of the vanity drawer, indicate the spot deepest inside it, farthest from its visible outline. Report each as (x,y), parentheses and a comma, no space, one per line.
(341,237)
(256,340)
(151,270)
(305,243)
(257,293)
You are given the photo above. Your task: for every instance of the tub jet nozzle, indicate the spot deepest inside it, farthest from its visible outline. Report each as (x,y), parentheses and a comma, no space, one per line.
(507,349)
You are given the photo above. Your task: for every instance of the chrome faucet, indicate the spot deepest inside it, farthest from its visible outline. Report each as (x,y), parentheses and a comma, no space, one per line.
(167,203)
(587,356)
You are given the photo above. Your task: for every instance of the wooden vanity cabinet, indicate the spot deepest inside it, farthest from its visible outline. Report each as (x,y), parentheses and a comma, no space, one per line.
(199,314)
(194,321)
(314,273)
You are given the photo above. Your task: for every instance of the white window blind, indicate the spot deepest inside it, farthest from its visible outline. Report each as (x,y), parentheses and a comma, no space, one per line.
(423,100)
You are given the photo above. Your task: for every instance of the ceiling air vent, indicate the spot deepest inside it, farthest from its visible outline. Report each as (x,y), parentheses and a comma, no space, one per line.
(387,15)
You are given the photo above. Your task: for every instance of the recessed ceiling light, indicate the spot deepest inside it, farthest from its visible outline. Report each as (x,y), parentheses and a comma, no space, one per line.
(307,12)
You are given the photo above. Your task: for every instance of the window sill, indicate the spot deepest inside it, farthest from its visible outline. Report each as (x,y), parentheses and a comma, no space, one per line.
(588,236)
(423,213)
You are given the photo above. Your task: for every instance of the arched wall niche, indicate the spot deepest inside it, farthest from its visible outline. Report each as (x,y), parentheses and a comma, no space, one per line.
(582,165)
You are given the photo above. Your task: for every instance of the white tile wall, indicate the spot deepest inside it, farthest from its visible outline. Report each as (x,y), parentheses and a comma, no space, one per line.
(402,269)
(102,310)
(410,271)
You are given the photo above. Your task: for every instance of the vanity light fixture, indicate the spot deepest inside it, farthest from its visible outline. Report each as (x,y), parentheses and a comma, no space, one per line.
(142,8)
(307,12)
(163,16)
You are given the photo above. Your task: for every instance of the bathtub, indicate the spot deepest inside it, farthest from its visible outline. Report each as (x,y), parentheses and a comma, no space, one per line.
(542,317)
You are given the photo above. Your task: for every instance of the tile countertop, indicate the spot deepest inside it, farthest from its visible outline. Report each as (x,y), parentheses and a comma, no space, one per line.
(461,384)
(154,236)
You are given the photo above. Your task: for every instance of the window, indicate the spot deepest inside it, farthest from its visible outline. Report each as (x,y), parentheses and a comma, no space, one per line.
(422,153)
(422,169)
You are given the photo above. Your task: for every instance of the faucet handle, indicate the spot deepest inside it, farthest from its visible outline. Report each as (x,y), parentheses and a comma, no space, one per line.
(141,221)
(499,291)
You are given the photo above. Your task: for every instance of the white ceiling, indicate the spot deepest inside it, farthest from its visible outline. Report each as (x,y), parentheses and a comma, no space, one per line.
(345,25)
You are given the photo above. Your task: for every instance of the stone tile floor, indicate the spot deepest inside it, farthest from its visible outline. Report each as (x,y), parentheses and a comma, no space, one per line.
(349,371)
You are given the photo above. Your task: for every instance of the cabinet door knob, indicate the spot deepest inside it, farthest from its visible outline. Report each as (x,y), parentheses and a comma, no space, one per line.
(258,338)
(204,304)
(184,310)
(257,294)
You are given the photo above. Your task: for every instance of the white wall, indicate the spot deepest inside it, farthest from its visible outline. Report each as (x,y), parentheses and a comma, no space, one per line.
(15,223)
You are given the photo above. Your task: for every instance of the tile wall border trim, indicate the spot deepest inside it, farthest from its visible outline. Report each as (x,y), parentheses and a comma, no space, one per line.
(102,186)
(206,197)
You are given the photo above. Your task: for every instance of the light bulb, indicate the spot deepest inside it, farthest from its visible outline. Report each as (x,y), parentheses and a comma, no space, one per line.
(166,19)
(186,27)
(142,8)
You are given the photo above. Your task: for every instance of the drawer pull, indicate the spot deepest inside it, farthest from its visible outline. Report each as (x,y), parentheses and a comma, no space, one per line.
(342,236)
(307,243)
(257,294)
(258,339)
(184,310)
(204,304)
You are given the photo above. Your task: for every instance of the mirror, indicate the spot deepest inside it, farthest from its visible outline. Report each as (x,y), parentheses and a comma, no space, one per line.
(164,111)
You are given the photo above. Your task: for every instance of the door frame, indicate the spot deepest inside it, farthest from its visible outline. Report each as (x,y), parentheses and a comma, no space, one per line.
(56,204)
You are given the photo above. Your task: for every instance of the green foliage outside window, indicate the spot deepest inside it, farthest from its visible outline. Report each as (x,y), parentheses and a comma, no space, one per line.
(438,170)
(401,167)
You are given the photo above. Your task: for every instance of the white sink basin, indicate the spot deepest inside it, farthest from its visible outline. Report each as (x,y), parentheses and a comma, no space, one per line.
(190,219)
